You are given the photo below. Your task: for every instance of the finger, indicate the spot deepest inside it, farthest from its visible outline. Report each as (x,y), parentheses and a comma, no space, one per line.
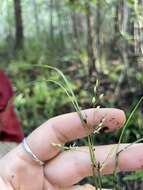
(70,167)
(68,127)
(4,185)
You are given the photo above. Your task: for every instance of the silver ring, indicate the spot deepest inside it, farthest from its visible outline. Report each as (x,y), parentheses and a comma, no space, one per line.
(30,153)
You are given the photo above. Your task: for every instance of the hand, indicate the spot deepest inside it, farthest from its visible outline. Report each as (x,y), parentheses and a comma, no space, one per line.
(64,169)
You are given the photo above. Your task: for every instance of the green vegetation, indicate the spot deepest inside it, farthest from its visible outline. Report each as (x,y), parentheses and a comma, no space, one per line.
(86,40)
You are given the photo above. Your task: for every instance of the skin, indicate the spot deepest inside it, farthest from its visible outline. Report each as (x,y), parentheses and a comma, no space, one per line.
(62,170)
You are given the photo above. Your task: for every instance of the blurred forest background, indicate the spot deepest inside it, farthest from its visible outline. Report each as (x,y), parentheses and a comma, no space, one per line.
(87,40)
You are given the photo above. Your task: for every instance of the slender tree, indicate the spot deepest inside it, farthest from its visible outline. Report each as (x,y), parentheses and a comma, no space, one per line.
(36,16)
(58,8)
(51,19)
(19,36)
(98,25)
(138,28)
(90,39)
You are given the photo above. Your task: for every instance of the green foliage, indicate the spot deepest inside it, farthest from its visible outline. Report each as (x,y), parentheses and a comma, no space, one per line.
(57,35)
(134,176)
(36,99)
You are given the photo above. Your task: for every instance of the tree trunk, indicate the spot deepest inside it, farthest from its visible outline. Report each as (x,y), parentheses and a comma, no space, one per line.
(90,39)
(117,36)
(76,37)
(98,26)
(19,36)
(138,28)
(74,25)
(51,19)
(121,44)
(36,18)
(58,7)
(99,38)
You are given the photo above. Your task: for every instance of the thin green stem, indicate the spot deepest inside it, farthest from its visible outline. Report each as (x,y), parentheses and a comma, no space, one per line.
(68,90)
(122,134)
(130,117)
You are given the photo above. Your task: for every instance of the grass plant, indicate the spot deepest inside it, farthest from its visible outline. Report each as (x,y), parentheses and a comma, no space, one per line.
(97,167)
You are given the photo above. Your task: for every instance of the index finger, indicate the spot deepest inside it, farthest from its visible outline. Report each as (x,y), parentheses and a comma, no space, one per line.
(67,127)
